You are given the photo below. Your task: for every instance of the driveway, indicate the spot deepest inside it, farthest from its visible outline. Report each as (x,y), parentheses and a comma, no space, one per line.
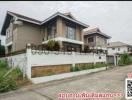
(110,81)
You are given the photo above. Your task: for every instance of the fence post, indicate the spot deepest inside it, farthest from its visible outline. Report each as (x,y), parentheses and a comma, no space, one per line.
(73,56)
(28,54)
(115,60)
(94,59)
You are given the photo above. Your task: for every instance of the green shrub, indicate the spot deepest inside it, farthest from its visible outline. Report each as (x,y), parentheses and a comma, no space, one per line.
(74,69)
(98,65)
(10,80)
(124,59)
(3,64)
(91,66)
(7,84)
(16,73)
(53,45)
(50,44)
(56,46)
(2,50)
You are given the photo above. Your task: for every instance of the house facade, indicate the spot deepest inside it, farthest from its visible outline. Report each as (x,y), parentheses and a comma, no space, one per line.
(20,30)
(95,39)
(118,48)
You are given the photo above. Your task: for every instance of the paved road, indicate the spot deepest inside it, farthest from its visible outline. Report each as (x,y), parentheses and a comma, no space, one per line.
(110,81)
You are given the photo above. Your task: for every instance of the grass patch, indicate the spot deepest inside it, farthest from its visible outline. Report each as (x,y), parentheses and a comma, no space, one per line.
(10,79)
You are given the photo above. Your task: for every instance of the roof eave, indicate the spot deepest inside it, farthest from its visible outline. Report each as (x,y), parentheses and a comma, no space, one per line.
(4,22)
(108,37)
(29,21)
(24,19)
(59,14)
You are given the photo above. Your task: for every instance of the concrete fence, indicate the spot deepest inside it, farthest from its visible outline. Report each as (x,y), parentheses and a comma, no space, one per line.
(54,58)
(36,58)
(19,60)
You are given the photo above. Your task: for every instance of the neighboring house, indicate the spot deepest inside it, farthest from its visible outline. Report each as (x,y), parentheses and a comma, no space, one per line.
(95,39)
(118,48)
(20,30)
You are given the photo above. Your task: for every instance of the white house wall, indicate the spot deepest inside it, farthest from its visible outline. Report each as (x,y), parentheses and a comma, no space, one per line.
(122,50)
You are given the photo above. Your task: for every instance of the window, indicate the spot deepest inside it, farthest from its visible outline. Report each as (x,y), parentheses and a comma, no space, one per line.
(70,32)
(91,39)
(113,48)
(51,31)
(118,49)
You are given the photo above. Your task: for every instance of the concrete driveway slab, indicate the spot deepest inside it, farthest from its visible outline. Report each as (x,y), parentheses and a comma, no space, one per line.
(26,95)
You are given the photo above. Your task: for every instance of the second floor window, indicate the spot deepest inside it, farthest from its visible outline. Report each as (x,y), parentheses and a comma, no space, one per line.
(91,39)
(51,30)
(113,48)
(70,32)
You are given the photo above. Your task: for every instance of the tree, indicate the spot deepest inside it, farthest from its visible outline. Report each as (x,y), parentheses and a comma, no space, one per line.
(125,59)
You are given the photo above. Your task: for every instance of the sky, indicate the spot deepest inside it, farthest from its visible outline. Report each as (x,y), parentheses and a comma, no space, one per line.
(114,18)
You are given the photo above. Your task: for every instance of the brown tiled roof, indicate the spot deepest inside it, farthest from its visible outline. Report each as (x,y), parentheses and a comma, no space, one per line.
(117,44)
(95,30)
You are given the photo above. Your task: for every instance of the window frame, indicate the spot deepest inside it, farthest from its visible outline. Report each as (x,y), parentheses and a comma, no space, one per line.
(68,33)
(91,38)
(113,48)
(51,31)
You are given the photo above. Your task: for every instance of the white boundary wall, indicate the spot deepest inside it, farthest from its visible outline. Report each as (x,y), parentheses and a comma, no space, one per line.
(53,59)
(26,60)
(19,60)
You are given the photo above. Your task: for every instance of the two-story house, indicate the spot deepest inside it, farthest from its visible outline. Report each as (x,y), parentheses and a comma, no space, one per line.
(118,48)
(95,39)
(20,30)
